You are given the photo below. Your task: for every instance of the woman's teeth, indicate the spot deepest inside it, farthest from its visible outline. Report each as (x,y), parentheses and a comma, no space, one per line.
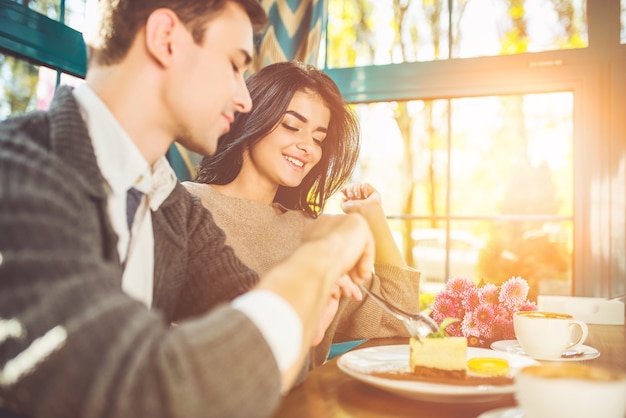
(294,161)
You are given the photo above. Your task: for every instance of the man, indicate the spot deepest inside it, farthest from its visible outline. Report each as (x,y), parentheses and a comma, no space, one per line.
(72,343)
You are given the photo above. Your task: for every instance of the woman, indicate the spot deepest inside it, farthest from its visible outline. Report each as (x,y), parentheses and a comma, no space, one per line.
(273,173)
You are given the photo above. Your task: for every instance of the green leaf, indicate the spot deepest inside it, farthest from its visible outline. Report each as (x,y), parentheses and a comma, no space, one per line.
(441,333)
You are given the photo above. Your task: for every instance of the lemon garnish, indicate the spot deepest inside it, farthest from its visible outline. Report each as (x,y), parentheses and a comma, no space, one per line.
(489,366)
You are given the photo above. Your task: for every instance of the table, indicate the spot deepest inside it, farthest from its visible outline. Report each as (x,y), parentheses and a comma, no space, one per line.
(329,392)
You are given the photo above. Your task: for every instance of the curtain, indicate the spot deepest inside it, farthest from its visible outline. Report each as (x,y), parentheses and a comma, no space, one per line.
(294,32)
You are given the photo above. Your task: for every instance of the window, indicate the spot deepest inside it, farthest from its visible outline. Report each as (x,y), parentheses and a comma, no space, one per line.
(25,87)
(623,22)
(37,52)
(490,176)
(522,151)
(69,12)
(378,32)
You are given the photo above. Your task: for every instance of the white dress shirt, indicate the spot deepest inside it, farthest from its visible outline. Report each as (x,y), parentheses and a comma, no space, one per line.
(123,166)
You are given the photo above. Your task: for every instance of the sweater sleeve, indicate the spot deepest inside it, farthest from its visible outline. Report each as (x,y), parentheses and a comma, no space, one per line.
(73,344)
(188,240)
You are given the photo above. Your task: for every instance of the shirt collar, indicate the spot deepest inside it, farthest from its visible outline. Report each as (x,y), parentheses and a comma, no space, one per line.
(119,159)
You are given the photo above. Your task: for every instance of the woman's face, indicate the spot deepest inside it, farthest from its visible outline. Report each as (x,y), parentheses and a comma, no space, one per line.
(287,154)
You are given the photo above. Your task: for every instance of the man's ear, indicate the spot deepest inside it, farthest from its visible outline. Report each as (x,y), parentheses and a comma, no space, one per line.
(160,30)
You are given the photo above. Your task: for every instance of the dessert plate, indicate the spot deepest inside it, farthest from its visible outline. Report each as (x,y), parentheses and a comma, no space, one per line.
(513,347)
(362,362)
(512,412)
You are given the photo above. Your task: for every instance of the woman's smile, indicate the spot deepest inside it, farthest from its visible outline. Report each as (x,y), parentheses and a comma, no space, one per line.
(294,162)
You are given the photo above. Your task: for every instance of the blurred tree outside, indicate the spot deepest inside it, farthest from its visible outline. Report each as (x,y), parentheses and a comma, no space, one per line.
(529,249)
(19,78)
(420,183)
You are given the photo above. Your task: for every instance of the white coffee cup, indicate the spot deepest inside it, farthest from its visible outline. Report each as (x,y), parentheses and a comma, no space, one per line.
(570,390)
(546,335)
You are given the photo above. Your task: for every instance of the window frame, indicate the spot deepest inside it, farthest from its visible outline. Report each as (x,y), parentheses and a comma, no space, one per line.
(40,40)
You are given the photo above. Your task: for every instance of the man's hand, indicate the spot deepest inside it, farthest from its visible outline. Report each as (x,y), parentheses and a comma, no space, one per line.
(328,315)
(337,253)
(349,243)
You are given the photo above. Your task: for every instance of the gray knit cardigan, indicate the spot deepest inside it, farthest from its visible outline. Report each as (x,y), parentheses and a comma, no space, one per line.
(72,344)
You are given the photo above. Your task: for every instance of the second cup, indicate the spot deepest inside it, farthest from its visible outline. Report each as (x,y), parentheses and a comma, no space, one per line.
(546,335)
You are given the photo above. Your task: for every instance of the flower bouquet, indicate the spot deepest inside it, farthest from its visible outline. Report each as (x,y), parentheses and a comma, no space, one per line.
(484,313)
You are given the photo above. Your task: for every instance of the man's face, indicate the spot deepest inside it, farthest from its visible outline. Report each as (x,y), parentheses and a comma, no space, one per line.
(207,85)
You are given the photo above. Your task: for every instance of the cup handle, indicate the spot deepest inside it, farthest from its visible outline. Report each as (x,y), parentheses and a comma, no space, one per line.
(584,331)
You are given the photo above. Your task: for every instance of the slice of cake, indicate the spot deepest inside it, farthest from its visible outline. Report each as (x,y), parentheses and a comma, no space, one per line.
(439,357)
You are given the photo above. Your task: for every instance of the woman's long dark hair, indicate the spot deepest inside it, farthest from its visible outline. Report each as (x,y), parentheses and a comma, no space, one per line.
(271,89)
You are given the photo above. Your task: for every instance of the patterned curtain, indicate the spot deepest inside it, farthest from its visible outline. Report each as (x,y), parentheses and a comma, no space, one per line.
(294,32)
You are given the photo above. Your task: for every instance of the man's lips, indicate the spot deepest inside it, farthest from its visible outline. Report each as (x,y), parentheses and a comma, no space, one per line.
(229,118)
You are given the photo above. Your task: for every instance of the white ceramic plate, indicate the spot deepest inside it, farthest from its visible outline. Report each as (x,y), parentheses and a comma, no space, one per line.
(503,413)
(513,347)
(362,362)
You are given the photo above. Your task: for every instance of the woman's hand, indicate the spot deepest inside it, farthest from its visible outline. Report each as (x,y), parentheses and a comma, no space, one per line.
(364,199)
(359,197)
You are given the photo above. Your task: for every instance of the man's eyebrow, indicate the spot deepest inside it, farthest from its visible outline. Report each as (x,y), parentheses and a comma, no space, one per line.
(247,56)
(304,119)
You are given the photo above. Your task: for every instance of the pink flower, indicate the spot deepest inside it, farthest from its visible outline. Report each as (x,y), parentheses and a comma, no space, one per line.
(470,299)
(458,285)
(469,326)
(514,291)
(489,294)
(455,330)
(484,316)
(502,328)
(528,306)
(485,313)
(446,306)
(474,341)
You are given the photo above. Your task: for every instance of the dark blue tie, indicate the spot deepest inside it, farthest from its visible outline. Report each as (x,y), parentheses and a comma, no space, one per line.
(133,197)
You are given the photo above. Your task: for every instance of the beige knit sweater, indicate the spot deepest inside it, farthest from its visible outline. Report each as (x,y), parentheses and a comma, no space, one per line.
(263,235)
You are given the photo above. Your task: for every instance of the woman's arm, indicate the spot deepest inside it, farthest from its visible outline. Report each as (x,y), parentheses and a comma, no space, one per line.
(364,199)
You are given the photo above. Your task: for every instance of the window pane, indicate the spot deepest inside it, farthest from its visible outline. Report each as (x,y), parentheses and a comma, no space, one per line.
(518,149)
(74,11)
(538,251)
(477,187)
(50,8)
(487,27)
(377,32)
(18,86)
(25,87)
(75,14)
(623,23)
(429,252)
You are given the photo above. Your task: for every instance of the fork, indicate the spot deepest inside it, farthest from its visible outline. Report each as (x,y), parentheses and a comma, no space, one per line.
(419,325)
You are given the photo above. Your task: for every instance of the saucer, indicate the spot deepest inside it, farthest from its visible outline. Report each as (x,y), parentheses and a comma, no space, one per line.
(512,346)
(511,412)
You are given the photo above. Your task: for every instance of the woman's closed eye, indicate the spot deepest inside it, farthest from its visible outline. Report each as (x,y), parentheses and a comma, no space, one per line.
(317,140)
(290,128)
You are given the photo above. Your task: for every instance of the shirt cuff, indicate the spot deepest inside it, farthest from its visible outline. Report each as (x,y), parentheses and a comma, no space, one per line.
(277,321)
